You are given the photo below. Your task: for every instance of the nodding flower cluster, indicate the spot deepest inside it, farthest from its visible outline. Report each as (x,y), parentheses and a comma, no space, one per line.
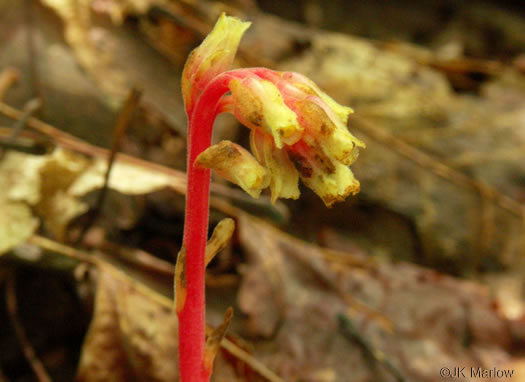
(297,132)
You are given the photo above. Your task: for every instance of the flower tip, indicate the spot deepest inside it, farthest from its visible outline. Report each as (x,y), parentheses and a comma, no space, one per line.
(330,199)
(212,57)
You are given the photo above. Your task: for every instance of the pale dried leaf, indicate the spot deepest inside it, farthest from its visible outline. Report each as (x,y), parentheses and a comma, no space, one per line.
(41,182)
(125,178)
(16,224)
(56,207)
(19,177)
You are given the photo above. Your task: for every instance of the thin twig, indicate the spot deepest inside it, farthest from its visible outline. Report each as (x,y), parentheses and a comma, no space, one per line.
(61,249)
(125,117)
(28,142)
(27,348)
(254,363)
(29,109)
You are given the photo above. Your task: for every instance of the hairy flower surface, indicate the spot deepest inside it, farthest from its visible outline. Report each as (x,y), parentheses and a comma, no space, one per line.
(297,130)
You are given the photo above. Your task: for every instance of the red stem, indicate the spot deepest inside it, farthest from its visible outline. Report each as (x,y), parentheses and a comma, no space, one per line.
(192,316)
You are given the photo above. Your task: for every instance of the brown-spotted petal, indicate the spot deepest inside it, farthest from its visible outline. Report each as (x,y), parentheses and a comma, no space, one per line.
(258,104)
(325,128)
(332,180)
(235,164)
(310,87)
(284,178)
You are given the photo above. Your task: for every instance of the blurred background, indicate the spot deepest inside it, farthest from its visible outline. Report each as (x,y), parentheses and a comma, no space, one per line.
(423,269)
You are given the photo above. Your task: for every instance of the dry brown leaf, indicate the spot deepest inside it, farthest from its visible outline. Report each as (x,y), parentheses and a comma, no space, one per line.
(117,297)
(131,337)
(433,316)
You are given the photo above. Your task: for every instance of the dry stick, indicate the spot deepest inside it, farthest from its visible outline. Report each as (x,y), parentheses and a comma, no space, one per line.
(18,126)
(125,116)
(30,108)
(27,348)
(230,347)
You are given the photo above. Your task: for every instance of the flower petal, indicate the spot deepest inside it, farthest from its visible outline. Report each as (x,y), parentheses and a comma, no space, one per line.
(333,136)
(214,56)
(235,164)
(330,179)
(308,86)
(284,178)
(258,104)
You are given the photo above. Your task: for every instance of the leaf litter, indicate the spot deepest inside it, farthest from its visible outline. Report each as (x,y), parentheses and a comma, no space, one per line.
(309,313)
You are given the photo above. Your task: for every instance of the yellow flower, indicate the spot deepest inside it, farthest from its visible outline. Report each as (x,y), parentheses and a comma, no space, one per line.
(214,56)
(297,130)
(236,164)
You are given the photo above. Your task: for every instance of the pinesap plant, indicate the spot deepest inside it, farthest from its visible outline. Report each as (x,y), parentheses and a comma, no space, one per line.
(296,132)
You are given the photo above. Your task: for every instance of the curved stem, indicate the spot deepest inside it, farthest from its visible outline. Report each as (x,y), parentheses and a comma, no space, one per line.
(192,315)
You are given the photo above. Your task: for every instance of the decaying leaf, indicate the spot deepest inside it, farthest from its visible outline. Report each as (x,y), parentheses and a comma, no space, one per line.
(41,182)
(56,206)
(131,337)
(16,224)
(431,315)
(118,9)
(52,187)
(18,189)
